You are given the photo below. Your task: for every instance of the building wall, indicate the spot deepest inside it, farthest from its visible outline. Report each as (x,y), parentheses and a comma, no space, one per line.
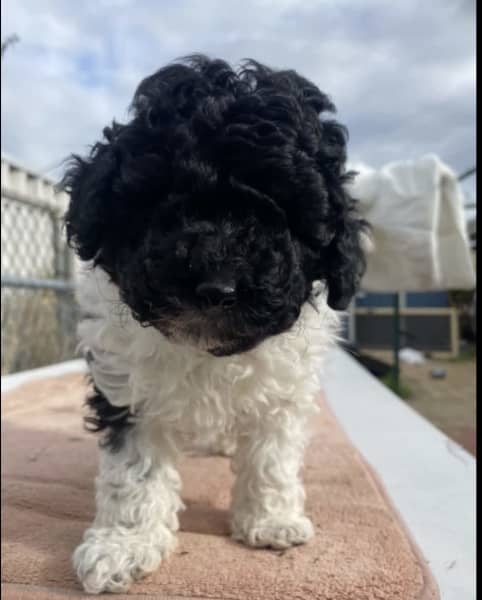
(427,321)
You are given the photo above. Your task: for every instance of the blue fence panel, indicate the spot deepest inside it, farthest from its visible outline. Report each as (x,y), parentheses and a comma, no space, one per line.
(427,300)
(374,300)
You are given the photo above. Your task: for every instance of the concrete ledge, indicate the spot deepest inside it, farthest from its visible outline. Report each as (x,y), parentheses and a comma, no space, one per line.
(70,366)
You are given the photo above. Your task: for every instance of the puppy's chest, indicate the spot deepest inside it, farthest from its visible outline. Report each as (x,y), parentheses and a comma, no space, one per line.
(200,419)
(208,409)
(198,403)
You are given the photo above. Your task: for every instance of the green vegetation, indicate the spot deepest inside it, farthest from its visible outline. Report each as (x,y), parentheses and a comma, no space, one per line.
(403,391)
(465,355)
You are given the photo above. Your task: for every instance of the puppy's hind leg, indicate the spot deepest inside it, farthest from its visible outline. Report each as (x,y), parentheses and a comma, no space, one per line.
(137,497)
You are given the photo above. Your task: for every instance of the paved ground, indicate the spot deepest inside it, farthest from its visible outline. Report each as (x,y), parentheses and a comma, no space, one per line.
(449,403)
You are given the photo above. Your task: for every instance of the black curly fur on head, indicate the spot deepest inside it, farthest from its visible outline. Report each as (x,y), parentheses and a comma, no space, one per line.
(220,203)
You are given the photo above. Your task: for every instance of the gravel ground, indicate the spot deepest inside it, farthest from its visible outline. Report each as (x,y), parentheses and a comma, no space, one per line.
(448,403)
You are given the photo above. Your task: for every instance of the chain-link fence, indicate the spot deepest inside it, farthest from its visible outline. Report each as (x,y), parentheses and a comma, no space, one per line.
(38,315)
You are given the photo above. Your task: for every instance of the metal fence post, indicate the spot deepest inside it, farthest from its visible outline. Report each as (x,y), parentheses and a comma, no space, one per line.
(396,342)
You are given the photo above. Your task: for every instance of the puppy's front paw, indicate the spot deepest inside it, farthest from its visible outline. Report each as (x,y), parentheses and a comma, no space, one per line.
(273,531)
(109,560)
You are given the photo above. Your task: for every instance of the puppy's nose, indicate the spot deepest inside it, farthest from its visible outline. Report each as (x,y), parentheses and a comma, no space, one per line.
(217,292)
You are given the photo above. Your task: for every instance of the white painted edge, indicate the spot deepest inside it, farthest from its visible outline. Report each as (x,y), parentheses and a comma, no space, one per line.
(429,478)
(9,382)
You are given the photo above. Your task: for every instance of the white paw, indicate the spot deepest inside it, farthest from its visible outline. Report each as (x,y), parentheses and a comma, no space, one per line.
(109,560)
(273,532)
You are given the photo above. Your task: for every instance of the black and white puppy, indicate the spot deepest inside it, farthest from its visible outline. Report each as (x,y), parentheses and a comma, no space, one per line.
(219,241)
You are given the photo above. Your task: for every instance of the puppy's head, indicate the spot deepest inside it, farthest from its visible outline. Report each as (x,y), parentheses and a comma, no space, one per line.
(219,204)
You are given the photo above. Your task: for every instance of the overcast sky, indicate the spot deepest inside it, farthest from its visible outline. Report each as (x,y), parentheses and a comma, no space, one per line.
(402,74)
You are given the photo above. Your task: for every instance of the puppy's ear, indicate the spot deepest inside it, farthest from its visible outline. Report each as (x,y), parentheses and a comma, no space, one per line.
(345,260)
(88,182)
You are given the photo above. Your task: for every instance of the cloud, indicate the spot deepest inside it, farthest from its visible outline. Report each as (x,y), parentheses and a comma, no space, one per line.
(401,74)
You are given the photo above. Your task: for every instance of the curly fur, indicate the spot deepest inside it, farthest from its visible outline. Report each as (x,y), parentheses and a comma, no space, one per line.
(232,182)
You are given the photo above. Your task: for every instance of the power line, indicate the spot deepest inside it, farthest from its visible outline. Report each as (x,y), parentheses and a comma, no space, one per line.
(9,41)
(466,174)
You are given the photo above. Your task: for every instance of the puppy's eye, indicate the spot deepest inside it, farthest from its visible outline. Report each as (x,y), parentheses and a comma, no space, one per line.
(182,250)
(265,129)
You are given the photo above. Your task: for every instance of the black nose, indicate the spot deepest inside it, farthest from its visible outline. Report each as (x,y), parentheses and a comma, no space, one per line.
(217,292)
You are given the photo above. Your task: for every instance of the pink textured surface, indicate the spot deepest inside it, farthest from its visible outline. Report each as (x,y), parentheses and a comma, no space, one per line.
(361,550)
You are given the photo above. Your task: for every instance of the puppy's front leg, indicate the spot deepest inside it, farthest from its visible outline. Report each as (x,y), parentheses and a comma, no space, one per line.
(137,496)
(268,496)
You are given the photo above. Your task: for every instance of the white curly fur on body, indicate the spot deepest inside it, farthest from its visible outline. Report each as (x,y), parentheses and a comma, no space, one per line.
(255,405)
